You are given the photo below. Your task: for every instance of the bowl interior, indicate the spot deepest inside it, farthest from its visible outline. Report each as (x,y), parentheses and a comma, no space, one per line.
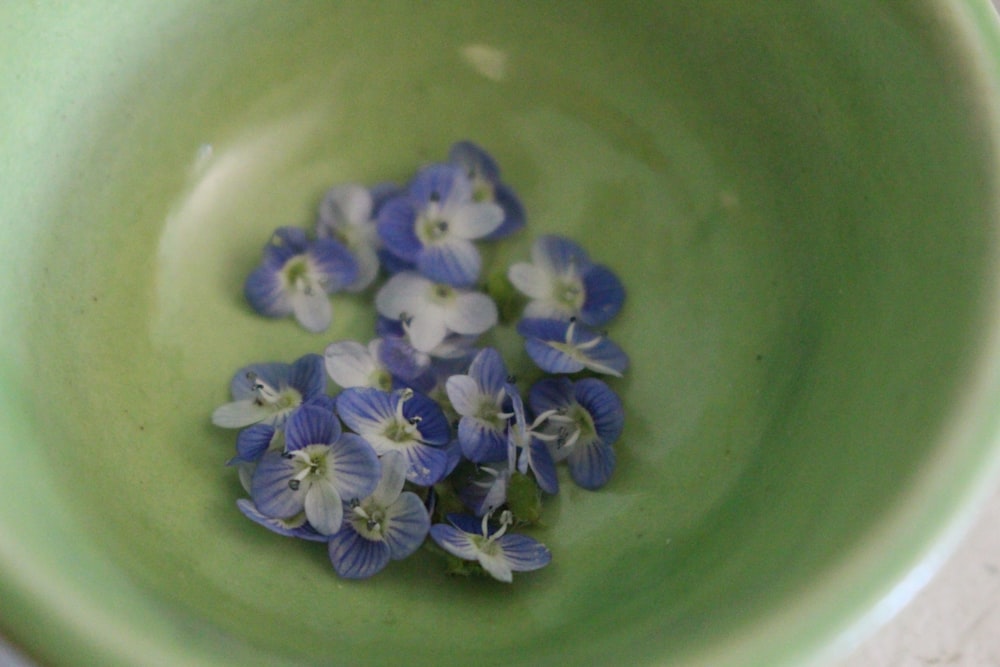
(799,199)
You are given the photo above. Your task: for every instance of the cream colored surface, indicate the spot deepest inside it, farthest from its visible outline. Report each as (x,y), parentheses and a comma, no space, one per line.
(955,620)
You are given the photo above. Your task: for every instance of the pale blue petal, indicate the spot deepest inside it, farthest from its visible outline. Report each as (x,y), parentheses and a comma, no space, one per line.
(270,490)
(472,313)
(481,442)
(605,295)
(333,264)
(393,478)
(523,553)
(442,183)
(489,371)
(353,467)
(306,375)
(312,310)
(275,374)
(551,394)
(324,507)
(253,441)
(365,409)
(265,291)
(550,359)
(396,220)
(342,205)
(310,425)
(514,218)
(559,255)
(426,465)
(464,394)
(238,414)
(591,464)
(355,557)
(475,220)
(406,525)
(404,293)
(541,463)
(349,363)
(293,527)
(474,160)
(604,406)
(454,261)
(454,541)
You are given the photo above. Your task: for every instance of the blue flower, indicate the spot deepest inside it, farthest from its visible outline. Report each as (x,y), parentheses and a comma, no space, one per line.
(390,524)
(497,551)
(351,364)
(402,421)
(560,346)
(562,283)
(480,397)
(434,224)
(320,469)
(269,393)
(296,275)
(483,172)
(585,419)
(295,526)
(346,215)
(431,311)
(253,441)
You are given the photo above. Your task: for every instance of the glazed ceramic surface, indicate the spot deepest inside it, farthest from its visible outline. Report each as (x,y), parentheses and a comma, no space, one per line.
(800,198)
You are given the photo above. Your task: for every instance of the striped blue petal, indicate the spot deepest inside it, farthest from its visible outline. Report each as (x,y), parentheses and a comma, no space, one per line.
(310,425)
(353,467)
(406,525)
(395,227)
(453,262)
(605,295)
(523,553)
(295,526)
(355,557)
(591,464)
(604,406)
(271,490)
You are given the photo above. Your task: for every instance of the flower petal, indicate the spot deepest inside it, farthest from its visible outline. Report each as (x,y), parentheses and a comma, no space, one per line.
(406,525)
(427,330)
(354,557)
(253,441)
(353,467)
(523,553)
(440,182)
(323,507)
(312,310)
(495,562)
(396,228)
(307,376)
(433,428)
(541,463)
(333,264)
(591,464)
(349,363)
(454,541)
(513,210)
(270,488)
(489,371)
(551,394)
(426,465)
(605,296)
(558,255)
(310,425)
(604,406)
(346,204)
(365,409)
(295,526)
(475,220)
(464,394)
(482,442)
(404,293)
(530,280)
(238,414)
(454,261)
(472,313)
(393,477)
(265,291)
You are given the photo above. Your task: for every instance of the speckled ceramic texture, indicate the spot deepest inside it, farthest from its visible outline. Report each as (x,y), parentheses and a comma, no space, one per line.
(800,197)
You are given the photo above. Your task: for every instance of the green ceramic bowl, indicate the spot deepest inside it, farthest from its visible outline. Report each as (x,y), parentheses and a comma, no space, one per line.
(800,197)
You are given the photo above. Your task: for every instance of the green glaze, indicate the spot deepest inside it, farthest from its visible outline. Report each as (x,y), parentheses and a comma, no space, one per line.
(801,200)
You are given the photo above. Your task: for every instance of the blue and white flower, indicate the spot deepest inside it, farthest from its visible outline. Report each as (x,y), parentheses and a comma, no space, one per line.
(480,397)
(484,174)
(346,215)
(390,524)
(269,393)
(351,364)
(434,225)
(296,276)
(585,418)
(562,282)
(320,469)
(431,311)
(499,553)
(402,421)
(561,346)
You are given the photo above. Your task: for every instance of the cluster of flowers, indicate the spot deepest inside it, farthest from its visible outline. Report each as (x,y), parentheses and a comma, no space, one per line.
(429,434)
